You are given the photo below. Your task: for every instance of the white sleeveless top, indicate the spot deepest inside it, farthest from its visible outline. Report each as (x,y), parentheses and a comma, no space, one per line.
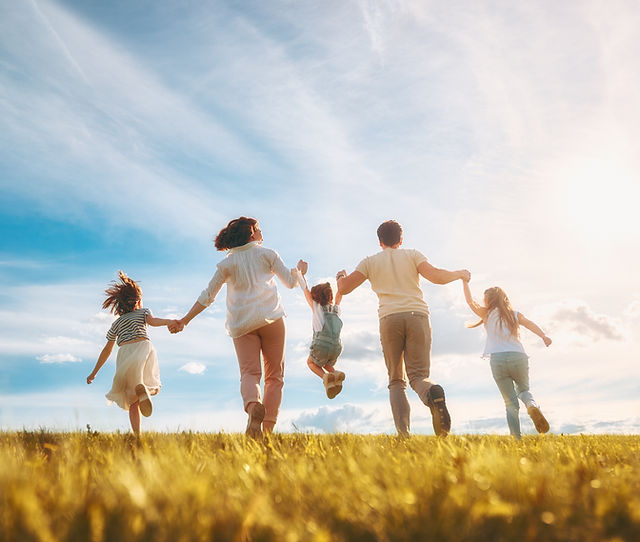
(499,339)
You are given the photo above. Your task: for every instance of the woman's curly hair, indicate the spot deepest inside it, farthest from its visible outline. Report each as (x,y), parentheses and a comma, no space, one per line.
(322,293)
(122,296)
(236,233)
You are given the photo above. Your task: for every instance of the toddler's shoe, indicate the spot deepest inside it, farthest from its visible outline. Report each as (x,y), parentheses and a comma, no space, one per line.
(329,381)
(254,423)
(333,383)
(144,401)
(541,423)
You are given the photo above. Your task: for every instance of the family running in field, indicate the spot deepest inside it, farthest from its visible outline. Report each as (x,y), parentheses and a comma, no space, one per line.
(255,322)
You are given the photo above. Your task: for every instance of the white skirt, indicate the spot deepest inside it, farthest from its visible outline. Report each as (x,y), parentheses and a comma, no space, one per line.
(137,363)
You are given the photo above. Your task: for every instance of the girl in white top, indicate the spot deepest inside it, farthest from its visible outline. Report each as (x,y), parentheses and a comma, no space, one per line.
(509,362)
(326,345)
(254,316)
(137,375)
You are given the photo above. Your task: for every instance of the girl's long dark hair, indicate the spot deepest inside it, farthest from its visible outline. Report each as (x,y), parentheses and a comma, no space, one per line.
(122,296)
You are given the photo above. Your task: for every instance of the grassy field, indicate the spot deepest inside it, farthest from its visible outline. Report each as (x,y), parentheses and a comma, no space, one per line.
(200,487)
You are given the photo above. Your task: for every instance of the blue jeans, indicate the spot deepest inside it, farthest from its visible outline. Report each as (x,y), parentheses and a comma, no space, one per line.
(511,372)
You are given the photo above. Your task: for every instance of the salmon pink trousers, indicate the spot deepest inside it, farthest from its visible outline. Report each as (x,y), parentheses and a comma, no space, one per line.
(270,341)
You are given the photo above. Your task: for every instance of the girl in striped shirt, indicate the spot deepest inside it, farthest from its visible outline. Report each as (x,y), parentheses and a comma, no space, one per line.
(137,376)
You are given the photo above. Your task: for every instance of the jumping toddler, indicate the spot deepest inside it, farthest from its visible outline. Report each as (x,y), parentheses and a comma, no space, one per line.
(137,375)
(509,362)
(326,345)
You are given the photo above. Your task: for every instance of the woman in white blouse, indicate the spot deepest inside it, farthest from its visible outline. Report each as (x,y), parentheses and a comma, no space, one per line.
(254,316)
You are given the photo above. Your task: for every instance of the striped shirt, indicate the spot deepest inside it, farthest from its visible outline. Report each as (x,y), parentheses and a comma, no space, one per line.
(131,325)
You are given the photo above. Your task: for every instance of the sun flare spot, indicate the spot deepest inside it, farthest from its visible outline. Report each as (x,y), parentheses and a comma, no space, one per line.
(600,198)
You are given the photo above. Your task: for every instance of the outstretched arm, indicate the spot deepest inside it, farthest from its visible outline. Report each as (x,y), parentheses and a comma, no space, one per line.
(102,358)
(178,325)
(157,322)
(302,281)
(473,304)
(288,277)
(348,283)
(442,276)
(205,299)
(531,326)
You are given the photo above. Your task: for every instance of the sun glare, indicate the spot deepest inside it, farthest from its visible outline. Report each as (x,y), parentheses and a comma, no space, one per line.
(601,198)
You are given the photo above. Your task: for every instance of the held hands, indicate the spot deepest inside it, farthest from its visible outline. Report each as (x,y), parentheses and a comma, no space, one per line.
(303,267)
(176,326)
(341,274)
(465,275)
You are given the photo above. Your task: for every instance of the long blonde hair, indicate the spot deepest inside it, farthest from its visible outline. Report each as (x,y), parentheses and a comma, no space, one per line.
(496,298)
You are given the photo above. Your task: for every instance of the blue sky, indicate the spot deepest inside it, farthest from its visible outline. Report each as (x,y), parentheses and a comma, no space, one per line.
(503,137)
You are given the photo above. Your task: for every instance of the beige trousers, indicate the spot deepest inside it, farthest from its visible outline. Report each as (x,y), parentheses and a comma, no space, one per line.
(406,345)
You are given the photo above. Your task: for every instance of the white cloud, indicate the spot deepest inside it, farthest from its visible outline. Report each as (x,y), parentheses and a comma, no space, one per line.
(577,317)
(361,345)
(194,368)
(58,358)
(345,418)
(633,309)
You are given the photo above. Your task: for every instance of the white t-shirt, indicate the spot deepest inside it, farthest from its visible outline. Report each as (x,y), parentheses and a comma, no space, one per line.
(393,274)
(499,338)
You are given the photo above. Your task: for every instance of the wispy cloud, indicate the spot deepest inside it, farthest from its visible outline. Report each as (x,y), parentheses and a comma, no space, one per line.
(60,41)
(58,358)
(579,318)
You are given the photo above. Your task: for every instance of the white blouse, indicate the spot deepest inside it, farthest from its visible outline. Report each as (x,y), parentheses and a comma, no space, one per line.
(252,297)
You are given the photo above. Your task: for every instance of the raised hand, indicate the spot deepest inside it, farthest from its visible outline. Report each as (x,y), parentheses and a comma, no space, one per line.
(303,267)
(465,275)
(341,274)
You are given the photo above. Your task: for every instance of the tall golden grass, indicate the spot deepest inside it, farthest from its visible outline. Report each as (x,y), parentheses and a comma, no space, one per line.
(296,487)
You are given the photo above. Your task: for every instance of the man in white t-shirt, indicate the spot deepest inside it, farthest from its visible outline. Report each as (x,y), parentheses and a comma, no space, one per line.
(405,329)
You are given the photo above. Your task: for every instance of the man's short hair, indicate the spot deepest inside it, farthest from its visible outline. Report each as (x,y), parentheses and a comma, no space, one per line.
(390,233)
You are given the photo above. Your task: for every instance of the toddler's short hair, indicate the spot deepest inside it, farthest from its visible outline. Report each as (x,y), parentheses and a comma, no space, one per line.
(322,293)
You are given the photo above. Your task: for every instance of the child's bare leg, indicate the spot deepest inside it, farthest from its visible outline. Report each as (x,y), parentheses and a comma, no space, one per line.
(329,368)
(317,370)
(134,418)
